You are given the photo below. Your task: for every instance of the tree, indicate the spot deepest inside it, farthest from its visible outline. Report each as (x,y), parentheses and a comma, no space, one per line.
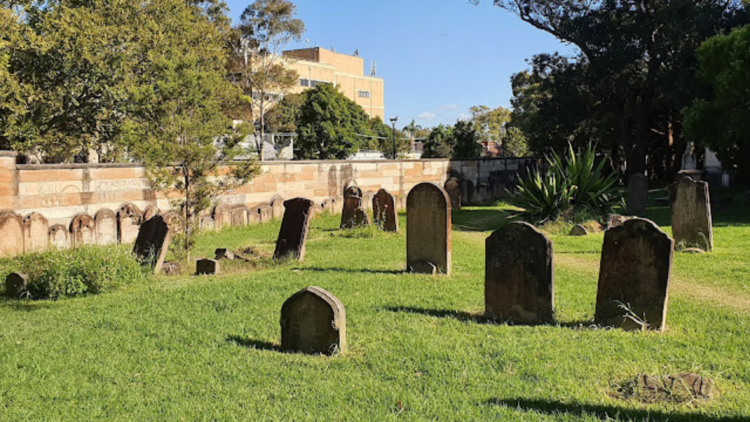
(177,126)
(330,125)
(11,90)
(439,143)
(257,65)
(489,123)
(284,115)
(385,139)
(722,121)
(466,140)
(514,143)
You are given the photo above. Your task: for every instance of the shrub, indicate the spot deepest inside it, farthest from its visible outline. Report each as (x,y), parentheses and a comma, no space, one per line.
(575,188)
(90,269)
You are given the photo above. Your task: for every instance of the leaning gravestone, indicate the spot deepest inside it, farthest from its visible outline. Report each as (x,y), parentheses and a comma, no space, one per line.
(634,276)
(691,213)
(15,284)
(313,321)
(453,189)
(153,242)
(384,210)
(428,229)
(352,201)
(518,275)
(294,227)
(637,193)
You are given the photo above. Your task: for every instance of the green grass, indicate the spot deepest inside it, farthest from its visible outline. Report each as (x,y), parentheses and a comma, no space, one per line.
(206,348)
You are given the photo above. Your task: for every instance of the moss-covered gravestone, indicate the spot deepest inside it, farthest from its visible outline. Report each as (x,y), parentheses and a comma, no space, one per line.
(384,211)
(518,276)
(313,321)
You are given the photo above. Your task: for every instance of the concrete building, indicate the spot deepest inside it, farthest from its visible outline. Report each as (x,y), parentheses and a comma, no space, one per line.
(317,65)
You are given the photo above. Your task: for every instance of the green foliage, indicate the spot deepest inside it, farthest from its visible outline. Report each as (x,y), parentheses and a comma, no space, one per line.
(466,140)
(489,123)
(89,269)
(575,188)
(329,125)
(439,143)
(283,116)
(384,138)
(722,122)
(514,143)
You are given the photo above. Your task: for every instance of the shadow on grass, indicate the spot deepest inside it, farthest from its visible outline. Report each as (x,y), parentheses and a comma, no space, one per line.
(479,220)
(254,344)
(479,318)
(24,305)
(349,270)
(605,412)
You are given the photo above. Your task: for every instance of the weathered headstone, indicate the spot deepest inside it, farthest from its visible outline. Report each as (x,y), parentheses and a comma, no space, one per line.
(277,207)
(207,267)
(578,230)
(313,321)
(153,242)
(352,201)
(453,189)
(128,220)
(239,216)
(106,227)
(294,227)
(223,253)
(634,275)
(691,213)
(150,211)
(428,229)
(637,193)
(83,230)
(15,284)
(384,210)
(264,212)
(222,216)
(518,275)
(207,224)
(36,232)
(58,236)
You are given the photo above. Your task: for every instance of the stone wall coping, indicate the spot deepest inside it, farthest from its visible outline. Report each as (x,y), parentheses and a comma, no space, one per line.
(263,163)
(8,154)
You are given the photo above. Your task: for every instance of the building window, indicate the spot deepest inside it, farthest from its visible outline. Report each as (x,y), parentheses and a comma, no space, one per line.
(363,94)
(304,82)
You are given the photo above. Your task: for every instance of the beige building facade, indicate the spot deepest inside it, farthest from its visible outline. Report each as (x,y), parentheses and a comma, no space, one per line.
(317,65)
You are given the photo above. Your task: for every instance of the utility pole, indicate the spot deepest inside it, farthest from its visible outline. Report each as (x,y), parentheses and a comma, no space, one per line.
(393,122)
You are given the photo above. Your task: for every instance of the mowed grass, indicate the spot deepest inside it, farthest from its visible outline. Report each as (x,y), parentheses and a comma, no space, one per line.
(206,348)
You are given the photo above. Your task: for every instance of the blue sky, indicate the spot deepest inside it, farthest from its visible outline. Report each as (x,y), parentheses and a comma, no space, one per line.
(437,57)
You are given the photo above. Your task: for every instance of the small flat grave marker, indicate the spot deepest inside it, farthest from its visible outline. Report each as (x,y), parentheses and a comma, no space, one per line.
(207,267)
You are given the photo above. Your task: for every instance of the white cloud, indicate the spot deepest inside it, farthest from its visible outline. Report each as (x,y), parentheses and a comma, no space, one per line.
(427,116)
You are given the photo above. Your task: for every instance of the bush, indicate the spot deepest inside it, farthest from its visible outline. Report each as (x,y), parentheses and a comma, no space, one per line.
(90,269)
(574,188)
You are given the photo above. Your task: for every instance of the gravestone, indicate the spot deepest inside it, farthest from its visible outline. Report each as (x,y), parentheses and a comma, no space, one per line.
(58,236)
(518,275)
(207,267)
(277,207)
(367,200)
(239,216)
(174,220)
(578,230)
(264,213)
(294,227)
(223,253)
(36,233)
(637,194)
(352,201)
(384,211)
(360,218)
(634,275)
(149,212)
(128,220)
(207,224)
(11,234)
(222,216)
(453,189)
(691,213)
(616,220)
(313,321)
(82,230)
(153,242)
(106,227)
(253,217)
(467,192)
(15,284)
(428,229)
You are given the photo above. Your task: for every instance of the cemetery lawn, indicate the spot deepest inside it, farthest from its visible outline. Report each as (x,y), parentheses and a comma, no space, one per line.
(206,348)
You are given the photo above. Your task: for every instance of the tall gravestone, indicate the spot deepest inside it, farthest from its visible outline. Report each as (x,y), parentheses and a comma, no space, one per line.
(128,220)
(453,189)
(634,275)
(277,207)
(313,321)
(222,216)
(83,230)
(11,234)
(239,216)
(384,211)
(352,201)
(691,213)
(637,193)
(518,275)
(153,242)
(36,229)
(428,229)
(294,228)
(58,236)
(106,227)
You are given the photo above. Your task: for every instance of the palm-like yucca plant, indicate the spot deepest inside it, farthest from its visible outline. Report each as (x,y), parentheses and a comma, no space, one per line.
(572,187)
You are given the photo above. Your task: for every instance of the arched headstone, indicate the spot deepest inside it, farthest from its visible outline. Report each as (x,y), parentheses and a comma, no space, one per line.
(428,229)
(384,210)
(222,215)
(453,189)
(128,220)
(518,275)
(106,227)
(691,213)
(11,234)
(313,321)
(277,207)
(293,233)
(634,275)
(352,201)
(58,236)
(36,233)
(150,211)
(82,230)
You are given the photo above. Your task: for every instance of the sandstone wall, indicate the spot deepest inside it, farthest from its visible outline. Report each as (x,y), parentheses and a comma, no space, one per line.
(62,196)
